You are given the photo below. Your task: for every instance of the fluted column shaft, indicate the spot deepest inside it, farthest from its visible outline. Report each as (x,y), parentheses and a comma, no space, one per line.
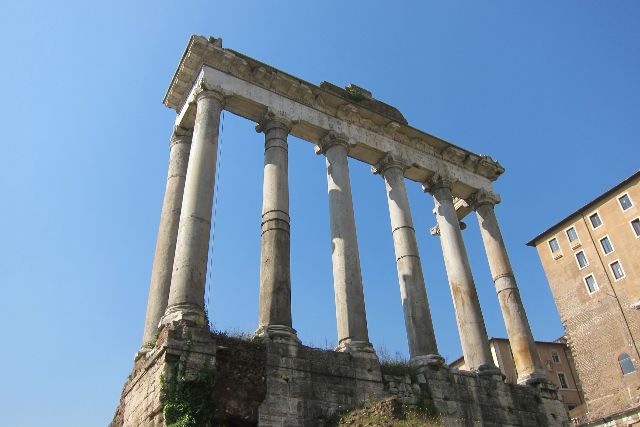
(186,298)
(275,276)
(351,316)
(167,232)
(525,354)
(417,316)
(473,334)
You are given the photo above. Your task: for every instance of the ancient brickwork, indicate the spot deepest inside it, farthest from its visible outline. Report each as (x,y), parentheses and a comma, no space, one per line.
(179,351)
(464,398)
(309,387)
(284,384)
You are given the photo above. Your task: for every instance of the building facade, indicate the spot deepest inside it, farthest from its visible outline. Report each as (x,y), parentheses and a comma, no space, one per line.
(592,261)
(557,362)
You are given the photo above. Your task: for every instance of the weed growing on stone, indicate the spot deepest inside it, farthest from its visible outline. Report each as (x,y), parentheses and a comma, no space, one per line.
(187,402)
(151,344)
(395,365)
(388,413)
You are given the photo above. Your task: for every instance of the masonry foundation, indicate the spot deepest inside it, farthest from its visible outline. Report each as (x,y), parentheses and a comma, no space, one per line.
(213,379)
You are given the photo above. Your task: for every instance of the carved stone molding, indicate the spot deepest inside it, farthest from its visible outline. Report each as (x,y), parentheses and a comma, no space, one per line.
(202,90)
(271,119)
(387,162)
(482,197)
(438,180)
(331,139)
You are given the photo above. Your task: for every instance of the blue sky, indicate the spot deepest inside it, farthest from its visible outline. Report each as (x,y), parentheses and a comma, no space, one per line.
(550,89)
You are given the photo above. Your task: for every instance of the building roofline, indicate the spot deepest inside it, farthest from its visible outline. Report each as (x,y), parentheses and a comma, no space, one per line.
(536,341)
(555,342)
(586,207)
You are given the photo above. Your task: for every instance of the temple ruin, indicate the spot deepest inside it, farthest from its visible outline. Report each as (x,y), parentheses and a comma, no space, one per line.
(297,385)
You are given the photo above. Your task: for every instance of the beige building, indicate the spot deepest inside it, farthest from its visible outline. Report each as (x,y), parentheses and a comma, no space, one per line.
(592,261)
(557,362)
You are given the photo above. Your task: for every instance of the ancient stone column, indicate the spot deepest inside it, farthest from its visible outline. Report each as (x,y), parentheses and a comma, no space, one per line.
(275,276)
(351,316)
(417,316)
(186,298)
(473,335)
(525,355)
(167,232)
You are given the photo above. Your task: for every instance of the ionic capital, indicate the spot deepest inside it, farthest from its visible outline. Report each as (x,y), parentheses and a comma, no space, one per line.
(202,91)
(332,139)
(389,161)
(180,136)
(436,181)
(272,120)
(483,197)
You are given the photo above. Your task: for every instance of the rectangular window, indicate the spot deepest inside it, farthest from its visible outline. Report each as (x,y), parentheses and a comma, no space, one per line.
(554,245)
(616,269)
(555,357)
(572,235)
(595,220)
(625,202)
(591,283)
(563,380)
(607,247)
(635,224)
(582,260)
(571,406)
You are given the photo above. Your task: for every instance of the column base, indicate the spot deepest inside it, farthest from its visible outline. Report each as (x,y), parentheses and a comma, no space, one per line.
(534,379)
(357,348)
(490,370)
(189,313)
(428,360)
(278,333)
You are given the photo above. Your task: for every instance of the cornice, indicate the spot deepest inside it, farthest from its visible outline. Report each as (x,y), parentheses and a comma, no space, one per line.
(361,111)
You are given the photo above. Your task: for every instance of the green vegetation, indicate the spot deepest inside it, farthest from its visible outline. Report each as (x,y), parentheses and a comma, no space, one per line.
(187,402)
(389,413)
(151,344)
(355,96)
(395,365)
(187,398)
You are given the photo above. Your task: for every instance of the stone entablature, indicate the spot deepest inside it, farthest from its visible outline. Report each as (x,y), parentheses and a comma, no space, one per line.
(374,128)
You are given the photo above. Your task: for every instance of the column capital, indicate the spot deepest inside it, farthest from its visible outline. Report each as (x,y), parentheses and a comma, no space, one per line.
(331,139)
(436,181)
(483,197)
(389,161)
(203,92)
(180,136)
(271,120)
